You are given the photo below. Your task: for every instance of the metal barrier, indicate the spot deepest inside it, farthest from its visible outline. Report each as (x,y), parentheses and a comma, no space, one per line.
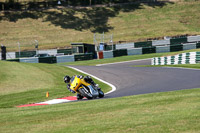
(193,38)
(107,54)
(188,46)
(134,51)
(162,49)
(160,42)
(65,58)
(125,46)
(29,60)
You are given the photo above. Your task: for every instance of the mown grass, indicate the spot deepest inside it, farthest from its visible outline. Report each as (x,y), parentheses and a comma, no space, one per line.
(22,83)
(176,111)
(57,28)
(126,58)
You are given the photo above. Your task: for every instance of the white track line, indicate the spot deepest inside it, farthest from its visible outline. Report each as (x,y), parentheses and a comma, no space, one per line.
(121,62)
(112,86)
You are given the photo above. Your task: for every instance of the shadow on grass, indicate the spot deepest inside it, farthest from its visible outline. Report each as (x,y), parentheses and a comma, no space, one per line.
(94,19)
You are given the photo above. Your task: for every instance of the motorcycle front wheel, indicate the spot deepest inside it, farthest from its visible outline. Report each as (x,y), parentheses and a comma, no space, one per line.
(101,94)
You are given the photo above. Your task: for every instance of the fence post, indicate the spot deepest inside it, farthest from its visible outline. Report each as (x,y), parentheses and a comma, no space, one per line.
(19,48)
(3,52)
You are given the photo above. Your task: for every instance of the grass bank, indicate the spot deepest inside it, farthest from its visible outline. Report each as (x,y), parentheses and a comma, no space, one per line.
(57,28)
(22,83)
(176,111)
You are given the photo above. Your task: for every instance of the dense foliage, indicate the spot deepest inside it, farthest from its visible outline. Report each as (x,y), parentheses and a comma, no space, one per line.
(38,4)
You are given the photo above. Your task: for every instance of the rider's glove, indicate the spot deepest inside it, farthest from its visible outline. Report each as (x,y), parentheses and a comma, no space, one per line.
(80,76)
(72,91)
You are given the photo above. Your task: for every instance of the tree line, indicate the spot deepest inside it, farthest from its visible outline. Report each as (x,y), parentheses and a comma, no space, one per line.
(39,4)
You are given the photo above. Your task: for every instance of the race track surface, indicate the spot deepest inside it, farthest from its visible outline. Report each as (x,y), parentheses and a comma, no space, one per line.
(135,80)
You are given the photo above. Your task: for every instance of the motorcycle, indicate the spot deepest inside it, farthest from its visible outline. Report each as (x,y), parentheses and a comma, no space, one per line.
(85,87)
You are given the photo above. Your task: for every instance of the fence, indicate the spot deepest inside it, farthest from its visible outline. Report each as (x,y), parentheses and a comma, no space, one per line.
(172,41)
(153,47)
(147,50)
(23,54)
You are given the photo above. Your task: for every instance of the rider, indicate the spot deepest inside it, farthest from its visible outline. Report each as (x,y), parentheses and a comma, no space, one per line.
(68,80)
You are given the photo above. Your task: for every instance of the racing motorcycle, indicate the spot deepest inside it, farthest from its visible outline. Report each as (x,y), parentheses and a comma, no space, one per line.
(85,87)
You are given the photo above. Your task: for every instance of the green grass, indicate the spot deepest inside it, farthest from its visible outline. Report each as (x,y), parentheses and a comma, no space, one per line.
(57,28)
(125,58)
(22,83)
(176,111)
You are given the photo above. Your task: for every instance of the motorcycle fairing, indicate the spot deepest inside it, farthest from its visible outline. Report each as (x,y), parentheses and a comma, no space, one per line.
(77,82)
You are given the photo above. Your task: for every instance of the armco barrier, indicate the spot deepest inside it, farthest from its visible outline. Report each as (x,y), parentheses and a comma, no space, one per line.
(29,60)
(125,46)
(177,47)
(51,51)
(193,38)
(162,49)
(110,47)
(178,40)
(119,52)
(47,60)
(148,50)
(65,58)
(65,51)
(143,44)
(107,54)
(134,51)
(25,54)
(198,45)
(15,60)
(160,42)
(188,46)
(10,55)
(80,57)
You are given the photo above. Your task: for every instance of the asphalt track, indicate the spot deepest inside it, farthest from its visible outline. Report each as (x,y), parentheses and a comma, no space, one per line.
(135,80)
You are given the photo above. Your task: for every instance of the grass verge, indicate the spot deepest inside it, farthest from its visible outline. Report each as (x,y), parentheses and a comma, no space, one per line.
(176,111)
(22,83)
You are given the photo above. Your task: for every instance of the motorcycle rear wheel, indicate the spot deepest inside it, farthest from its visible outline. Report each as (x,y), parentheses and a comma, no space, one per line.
(84,94)
(79,97)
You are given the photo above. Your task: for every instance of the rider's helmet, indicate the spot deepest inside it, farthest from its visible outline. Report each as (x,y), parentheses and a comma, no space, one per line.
(67,79)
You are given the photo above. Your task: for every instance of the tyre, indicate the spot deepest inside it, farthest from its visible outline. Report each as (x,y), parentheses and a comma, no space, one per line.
(84,92)
(79,97)
(101,94)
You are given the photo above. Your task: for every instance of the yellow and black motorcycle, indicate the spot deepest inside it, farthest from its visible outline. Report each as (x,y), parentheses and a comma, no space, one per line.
(84,87)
